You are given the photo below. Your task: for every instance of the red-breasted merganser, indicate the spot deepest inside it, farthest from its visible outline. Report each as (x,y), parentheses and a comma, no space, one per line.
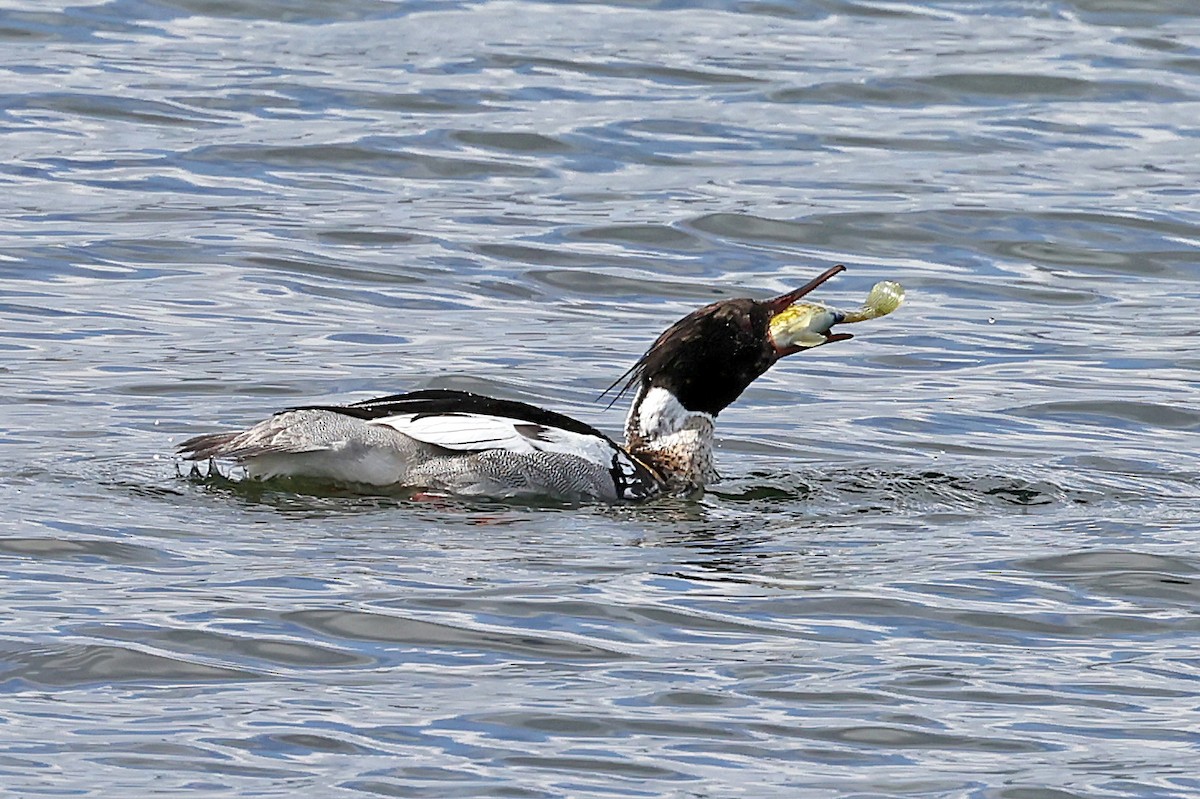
(455,442)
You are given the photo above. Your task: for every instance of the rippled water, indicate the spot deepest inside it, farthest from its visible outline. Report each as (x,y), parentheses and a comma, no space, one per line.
(954,557)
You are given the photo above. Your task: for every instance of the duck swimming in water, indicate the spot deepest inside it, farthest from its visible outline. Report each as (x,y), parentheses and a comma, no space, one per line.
(466,444)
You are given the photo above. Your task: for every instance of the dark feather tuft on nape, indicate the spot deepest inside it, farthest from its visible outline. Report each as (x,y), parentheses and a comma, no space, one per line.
(707,358)
(632,375)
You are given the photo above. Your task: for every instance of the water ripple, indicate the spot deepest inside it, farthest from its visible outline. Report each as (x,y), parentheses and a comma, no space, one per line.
(953,557)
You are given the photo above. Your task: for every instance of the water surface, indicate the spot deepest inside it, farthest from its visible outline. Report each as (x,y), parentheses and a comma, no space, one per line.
(951,558)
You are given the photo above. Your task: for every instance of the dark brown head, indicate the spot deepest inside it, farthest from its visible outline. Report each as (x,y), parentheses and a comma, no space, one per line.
(709,357)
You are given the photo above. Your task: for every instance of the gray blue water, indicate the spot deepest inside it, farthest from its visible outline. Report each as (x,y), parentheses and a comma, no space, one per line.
(955,557)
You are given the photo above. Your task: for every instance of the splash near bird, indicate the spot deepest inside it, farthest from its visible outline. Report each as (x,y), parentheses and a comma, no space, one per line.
(465,444)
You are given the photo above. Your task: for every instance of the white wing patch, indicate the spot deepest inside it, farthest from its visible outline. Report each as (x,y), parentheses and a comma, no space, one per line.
(474,432)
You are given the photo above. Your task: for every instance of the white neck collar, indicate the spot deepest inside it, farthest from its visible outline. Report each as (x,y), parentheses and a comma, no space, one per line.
(656,414)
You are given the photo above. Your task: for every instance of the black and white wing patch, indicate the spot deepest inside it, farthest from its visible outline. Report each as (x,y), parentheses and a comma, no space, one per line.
(472,432)
(632,479)
(459,420)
